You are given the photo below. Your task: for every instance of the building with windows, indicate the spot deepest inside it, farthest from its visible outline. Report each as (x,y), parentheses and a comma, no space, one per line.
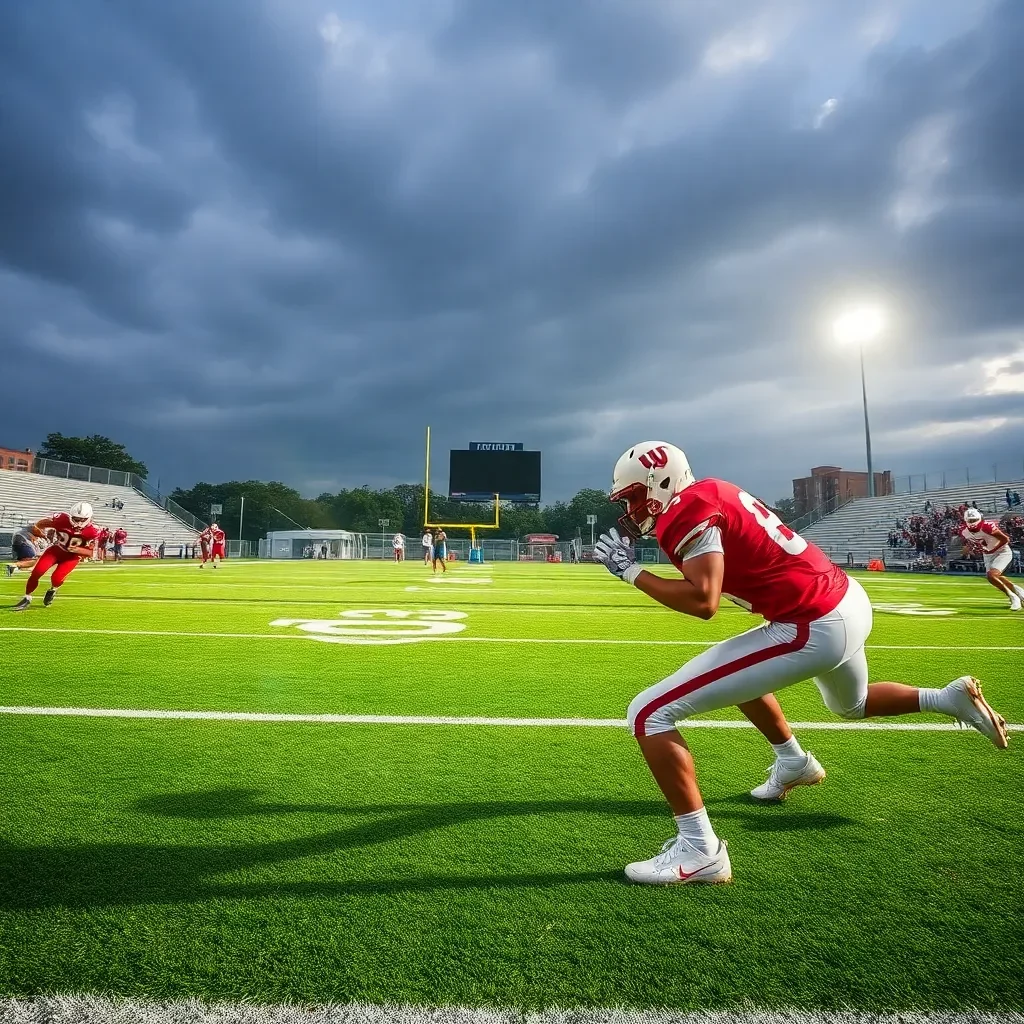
(830,485)
(17,459)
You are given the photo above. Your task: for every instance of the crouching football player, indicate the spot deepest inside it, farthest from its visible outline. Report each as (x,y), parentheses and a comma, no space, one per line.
(995,550)
(74,538)
(26,548)
(727,543)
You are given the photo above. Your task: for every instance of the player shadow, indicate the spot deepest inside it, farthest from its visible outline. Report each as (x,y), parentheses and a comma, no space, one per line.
(84,875)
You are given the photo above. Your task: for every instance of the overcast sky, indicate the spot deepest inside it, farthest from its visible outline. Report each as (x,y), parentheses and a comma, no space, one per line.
(276,238)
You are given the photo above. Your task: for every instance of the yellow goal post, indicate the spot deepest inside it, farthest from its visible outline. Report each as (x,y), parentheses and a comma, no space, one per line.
(472,527)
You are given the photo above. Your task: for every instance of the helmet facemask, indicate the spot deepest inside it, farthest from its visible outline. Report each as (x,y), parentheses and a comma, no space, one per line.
(641,509)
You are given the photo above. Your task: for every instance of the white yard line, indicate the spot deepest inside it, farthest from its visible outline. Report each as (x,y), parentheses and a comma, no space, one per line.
(578,723)
(458,639)
(94,1009)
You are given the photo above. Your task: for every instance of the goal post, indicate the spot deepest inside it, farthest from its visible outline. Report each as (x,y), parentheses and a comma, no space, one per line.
(472,527)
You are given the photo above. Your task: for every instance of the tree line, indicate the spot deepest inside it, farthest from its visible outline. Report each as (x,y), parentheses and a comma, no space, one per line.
(276,506)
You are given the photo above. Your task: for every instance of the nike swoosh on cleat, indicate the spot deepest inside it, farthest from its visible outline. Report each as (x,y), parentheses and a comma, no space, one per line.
(684,875)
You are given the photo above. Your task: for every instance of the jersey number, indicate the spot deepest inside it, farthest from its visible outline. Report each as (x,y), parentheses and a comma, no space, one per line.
(790,542)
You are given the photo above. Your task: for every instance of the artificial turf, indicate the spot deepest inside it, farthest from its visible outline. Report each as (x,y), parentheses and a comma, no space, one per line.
(482,865)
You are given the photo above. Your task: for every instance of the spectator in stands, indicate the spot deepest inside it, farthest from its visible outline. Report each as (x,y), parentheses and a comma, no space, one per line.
(120,539)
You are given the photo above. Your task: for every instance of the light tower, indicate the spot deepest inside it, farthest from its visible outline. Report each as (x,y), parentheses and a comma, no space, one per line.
(861,325)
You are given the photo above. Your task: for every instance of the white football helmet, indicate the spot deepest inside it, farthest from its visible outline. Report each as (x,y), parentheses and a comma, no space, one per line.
(80,513)
(645,479)
(973,518)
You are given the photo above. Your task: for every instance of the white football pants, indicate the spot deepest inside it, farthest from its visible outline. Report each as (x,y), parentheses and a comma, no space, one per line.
(829,650)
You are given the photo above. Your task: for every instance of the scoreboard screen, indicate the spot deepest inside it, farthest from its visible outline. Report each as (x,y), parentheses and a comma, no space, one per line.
(479,475)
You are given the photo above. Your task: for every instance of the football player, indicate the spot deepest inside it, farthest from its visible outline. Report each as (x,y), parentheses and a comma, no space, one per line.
(26,548)
(726,543)
(74,538)
(995,548)
(218,540)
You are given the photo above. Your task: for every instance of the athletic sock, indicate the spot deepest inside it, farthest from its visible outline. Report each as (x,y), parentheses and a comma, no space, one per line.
(790,750)
(935,700)
(696,829)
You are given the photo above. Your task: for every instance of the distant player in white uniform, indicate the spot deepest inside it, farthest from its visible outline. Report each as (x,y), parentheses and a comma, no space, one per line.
(727,543)
(995,549)
(398,543)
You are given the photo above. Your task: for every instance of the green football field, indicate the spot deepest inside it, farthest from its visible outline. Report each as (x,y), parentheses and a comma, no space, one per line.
(256,855)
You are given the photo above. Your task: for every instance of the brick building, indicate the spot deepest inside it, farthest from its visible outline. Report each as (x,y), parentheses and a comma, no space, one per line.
(18,459)
(832,484)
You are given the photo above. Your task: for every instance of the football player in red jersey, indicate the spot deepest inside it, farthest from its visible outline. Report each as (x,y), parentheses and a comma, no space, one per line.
(205,540)
(218,539)
(74,538)
(728,544)
(995,549)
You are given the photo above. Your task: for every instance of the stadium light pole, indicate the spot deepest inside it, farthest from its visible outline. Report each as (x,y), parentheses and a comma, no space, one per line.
(860,325)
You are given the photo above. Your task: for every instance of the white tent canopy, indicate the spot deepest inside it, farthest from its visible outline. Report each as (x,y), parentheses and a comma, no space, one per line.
(311,543)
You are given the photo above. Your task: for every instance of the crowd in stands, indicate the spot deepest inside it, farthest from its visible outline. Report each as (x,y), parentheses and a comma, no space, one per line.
(930,533)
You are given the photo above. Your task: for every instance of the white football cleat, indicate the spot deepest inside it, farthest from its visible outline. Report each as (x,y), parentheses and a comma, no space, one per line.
(973,710)
(1015,605)
(1019,591)
(782,778)
(678,863)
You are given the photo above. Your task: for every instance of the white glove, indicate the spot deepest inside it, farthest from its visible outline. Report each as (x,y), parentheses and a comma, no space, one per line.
(615,555)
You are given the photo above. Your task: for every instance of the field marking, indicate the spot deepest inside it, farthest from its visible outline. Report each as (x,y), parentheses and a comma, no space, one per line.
(96,1009)
(578,723)
(461,639)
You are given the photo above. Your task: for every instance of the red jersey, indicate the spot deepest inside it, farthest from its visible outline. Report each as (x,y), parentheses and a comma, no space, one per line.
(120,536)
(65,530)
(769,569)
(219,536)
(985,536)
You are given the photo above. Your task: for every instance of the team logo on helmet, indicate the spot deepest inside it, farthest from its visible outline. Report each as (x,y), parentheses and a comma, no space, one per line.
(656,458)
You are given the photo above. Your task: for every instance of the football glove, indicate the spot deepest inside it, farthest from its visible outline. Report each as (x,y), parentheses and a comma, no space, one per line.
(617,557)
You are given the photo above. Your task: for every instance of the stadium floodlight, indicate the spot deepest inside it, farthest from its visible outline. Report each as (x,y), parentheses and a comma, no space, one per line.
(861,325)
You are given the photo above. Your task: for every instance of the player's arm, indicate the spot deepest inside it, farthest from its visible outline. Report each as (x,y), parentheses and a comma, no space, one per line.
(39,529)
(698,593)
(994,531)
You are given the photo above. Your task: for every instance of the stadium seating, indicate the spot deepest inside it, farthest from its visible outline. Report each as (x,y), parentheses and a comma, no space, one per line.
(27,497)
(862,527)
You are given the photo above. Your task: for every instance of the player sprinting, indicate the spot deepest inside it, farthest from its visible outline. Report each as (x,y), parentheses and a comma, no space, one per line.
(995,548)
(727,543)
(74,539)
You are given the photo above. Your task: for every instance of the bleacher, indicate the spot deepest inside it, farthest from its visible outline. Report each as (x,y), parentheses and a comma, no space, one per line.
(28,497)
(862,527)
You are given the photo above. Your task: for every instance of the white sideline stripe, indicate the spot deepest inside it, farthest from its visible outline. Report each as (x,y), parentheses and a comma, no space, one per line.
(93,1009)
(578,723)
(457,639)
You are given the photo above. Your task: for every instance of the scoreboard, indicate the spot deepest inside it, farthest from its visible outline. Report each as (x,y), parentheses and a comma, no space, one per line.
(494,467)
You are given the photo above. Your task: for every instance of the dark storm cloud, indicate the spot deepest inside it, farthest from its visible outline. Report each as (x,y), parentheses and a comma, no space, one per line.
(278,240)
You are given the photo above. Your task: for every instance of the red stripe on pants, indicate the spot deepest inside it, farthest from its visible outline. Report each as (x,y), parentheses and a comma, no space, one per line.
(803,634)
